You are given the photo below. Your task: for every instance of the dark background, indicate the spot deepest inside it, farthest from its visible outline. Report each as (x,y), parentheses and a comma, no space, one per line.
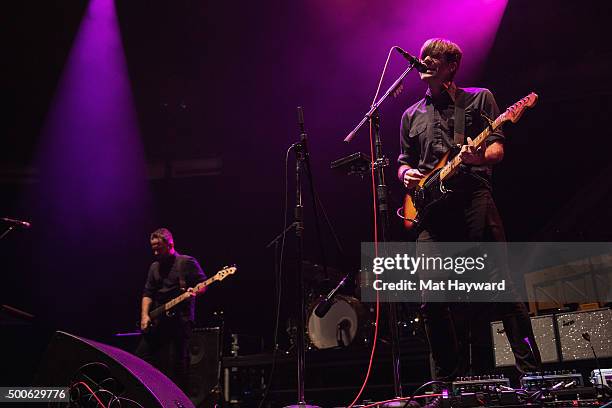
(240,70)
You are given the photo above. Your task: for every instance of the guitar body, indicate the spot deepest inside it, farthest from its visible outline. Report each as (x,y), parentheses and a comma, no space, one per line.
(428,192)
(157,316)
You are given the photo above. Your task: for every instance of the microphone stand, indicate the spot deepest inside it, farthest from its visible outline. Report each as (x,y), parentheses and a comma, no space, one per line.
(382,206)
(301,164)
(604,382)
(374,108)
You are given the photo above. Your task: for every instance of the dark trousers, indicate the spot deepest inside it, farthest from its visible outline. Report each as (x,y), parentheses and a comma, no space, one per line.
(165,346)
(458,333)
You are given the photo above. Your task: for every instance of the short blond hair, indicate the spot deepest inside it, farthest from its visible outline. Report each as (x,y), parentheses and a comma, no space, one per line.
(441,47)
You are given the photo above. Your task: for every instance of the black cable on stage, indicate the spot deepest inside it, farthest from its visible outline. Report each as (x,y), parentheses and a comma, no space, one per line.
(427,384)
(279,282)
(75,383)
(330,225)
(316,217)
(407,400)
(130,400)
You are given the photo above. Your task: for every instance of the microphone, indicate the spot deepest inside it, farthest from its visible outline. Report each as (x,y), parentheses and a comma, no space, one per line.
(326,303)
(20,223)
(415,62)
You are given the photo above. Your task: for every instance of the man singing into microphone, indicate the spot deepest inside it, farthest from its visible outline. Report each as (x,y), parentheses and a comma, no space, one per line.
(429,129)
(164,342)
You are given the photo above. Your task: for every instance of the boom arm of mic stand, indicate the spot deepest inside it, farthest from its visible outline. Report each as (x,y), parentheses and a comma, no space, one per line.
(374,107)
(5,233)
(280,236)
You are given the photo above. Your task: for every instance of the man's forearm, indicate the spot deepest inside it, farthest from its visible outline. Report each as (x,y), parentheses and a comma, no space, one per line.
(494,153)
(400,172)
(146,304)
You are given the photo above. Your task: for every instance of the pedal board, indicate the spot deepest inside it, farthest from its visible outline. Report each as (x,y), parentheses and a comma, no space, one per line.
(484,383)
(566,398)
(552,380)
(602,377)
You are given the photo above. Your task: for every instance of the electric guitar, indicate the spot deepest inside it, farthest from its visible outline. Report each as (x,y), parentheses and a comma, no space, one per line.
(432,188)
(166,309)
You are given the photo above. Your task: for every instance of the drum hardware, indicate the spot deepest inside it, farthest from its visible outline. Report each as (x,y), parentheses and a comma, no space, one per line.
(343,330)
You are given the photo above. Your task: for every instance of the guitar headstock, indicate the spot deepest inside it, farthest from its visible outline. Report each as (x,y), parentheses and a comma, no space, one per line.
(514,112)
(225,272)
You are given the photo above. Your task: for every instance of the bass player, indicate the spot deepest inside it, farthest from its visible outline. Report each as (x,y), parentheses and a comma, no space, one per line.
(164,344)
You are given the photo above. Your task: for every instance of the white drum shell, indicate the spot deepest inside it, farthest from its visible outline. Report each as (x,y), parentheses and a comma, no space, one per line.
(338,327)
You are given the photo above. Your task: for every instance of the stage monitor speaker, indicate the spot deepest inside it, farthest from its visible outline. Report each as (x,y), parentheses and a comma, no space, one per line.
(544,332)
(70,358)
(204,368)
(597,323)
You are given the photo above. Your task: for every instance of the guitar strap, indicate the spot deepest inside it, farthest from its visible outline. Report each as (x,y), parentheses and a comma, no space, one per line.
(178,263)
(459,137)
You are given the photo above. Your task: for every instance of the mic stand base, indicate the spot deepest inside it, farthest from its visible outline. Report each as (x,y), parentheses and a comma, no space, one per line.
(304,405)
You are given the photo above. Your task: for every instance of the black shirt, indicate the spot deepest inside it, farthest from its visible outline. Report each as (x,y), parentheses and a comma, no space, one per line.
(427,127)
(163,281)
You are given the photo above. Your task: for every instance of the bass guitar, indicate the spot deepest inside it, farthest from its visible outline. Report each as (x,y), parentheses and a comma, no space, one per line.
(166,309)
(432,188)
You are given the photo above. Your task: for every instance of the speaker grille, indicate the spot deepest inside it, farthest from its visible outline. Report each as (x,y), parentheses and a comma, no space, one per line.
(544,333)
(597,323)
(204,357)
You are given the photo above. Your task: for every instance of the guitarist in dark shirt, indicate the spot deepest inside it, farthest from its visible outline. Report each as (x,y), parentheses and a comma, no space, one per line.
(468,214)
(164,341)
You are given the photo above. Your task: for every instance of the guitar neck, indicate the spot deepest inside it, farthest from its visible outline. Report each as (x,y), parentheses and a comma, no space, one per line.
(453,165)
(158,311)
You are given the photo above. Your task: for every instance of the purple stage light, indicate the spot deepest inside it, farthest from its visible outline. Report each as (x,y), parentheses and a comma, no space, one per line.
(92,164)
(367,32)
(470,23)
